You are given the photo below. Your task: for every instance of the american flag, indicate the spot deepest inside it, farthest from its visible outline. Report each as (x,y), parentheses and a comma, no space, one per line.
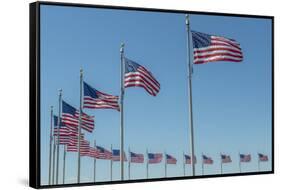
(95,99)
(225,158)
(154,158)
(210,48)
(136,158)
(116,155)
(70,117)
(84,147)
(93,152)
(103,153)
(137,75)
(188,159)
(262,157)
(207,160)
(170,159)
(245,157)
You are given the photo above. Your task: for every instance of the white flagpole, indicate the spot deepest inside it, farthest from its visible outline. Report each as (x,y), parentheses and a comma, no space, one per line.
(146,164)
(239,162)
(95,162)
(54,160)
(50,147)
(221,162)
(111,163)
(121,112)
(58,137)
(165,163)
(183,164)
(258,162)
(63,171)
(189,61)
(129,164)
(202,165)
(79,126)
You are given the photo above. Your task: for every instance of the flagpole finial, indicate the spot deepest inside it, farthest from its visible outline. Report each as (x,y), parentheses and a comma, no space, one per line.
(60,91)
(81,70)
(122,47)
(187,19)
(52,107)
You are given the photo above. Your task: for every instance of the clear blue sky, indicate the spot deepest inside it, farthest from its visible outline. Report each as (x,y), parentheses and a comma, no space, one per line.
(232,101)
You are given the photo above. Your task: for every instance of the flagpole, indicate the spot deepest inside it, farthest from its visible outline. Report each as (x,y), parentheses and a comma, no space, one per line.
(202,165)
(94,163)
(54,160)
(165,163)
(221,163)
(183,164)
(258,163)
(79,126)
(129,164)
(50,148)
(58,137)
(239,163)
(190,95)
(121,112)
(64,156)
(111,164)
(146,164)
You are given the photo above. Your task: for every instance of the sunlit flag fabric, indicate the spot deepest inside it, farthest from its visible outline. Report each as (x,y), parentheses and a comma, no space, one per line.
(137,75)
(136,158)
(70,117)
(103,153)
(93,152)
(262,157)
(170,159)
(116,155)
(188,159)
(154,158)
(84,147)
(95,99)
(245,157)
(225,158)
(207,160)
(210,48)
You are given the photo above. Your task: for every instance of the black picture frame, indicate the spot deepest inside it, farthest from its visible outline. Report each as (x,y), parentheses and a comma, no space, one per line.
(34,93)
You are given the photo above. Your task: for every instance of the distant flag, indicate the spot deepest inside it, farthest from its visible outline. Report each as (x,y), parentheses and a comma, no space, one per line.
(84,147)
(154,158)
(93,152)
(116,155)
(103,153)
(95,99)
(262,157)
(210,48)
(225,158)
(136,158)
(188,159)
(207,160)
(70,117)
(137,75)
(245,157)
(170,159)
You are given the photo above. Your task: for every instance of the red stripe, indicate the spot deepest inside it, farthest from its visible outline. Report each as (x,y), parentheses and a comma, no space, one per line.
(218,59)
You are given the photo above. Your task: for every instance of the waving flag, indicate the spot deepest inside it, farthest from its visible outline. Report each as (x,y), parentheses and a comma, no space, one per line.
(245,157)
(84,147)
(207,160)
(262,157)
(170,159)
(225,158)
(210,48)
(137,75)
(95,99)
(154,158)
(188,159)
(116,155)
(103,153)
(136,158)
(93,152)
(70,117)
